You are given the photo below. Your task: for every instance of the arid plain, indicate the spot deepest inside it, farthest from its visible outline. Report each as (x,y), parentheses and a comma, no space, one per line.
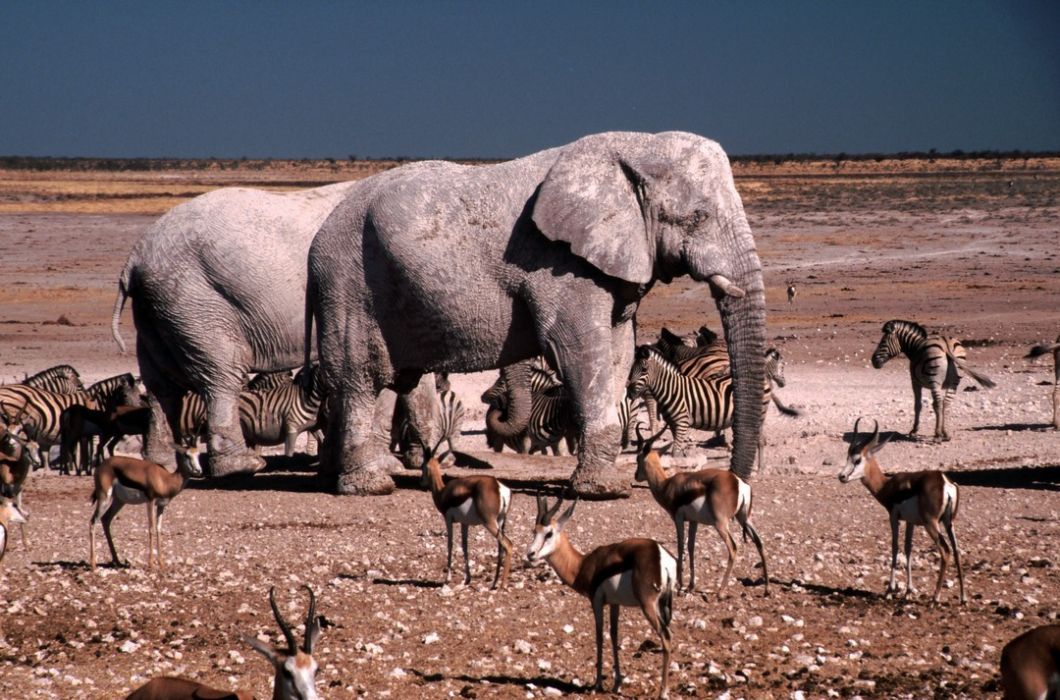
(969,248)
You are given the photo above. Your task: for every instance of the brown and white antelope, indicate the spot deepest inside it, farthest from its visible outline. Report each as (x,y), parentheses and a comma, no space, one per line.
(295,668)
(636,572)
(1030,665)
(127,480)
(18,457)
(708,496)
(470,500)
(10,513)
(1045,349)
(924,498)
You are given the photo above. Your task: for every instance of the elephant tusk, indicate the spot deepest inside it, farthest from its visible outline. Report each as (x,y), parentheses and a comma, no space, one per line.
(725,285)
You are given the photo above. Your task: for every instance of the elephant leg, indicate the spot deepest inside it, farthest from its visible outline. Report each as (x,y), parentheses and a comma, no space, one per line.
(229,453)
(357,454)
(595,369)
(163,398)
(421,407)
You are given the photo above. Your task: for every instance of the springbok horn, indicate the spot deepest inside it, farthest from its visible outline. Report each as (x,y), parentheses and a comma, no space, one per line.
(854,437)
(292,645)
(310,622)
(725,285)
(875,435)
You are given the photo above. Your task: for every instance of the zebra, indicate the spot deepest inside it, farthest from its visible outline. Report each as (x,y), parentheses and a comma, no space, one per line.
(551,423)
(691,402)
(936,363)
(61,379)
(44,408)
(450,415)
(282,413)
(264,381)
(1044,349)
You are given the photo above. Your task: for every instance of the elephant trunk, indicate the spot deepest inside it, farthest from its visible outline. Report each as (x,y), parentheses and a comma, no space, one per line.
(517,379)
(744,320)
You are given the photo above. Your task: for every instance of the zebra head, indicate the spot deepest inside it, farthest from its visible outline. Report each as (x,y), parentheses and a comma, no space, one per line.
(898,335)
(638,373)
(860,450)
(775,367)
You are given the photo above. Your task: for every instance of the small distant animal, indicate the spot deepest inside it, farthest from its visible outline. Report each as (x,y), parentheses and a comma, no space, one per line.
(637,573)
(1044,349)
(936,363)
(925,498)
(1030,665)
(470,500)
(295,668)
(791,293)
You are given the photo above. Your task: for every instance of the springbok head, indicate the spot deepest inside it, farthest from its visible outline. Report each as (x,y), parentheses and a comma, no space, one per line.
(860,451)
(645,448)
(296,669)
(547,529)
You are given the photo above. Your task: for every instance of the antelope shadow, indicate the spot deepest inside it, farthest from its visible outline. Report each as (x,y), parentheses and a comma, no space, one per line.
(1042,478)
(499,679)
(1016,427)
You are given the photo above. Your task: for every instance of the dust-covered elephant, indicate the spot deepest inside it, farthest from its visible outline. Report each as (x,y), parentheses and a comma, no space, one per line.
(436,266)
(218,290)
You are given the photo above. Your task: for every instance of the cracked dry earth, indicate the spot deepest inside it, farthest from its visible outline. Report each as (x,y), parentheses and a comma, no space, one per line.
(961,253)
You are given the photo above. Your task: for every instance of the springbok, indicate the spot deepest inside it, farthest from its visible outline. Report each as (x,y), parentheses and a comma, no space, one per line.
(469,500)
(924,498)
(791,293)
(708,496)
(9,513)
(1030,665)
(295,668)
(634,573)
(128,480)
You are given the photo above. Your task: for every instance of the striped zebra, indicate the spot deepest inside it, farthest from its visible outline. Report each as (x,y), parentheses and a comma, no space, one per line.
(43,409)
(550,426)
(936,363)
(191,420)
(450,416)
(1045,349)
(263,381)
(691,402)
(281,414)
(61,379)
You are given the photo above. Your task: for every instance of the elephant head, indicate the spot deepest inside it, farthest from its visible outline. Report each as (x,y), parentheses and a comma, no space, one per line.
(642,208)
(514,384)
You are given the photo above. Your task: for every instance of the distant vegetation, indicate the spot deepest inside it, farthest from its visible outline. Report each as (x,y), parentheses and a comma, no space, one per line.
(162,164)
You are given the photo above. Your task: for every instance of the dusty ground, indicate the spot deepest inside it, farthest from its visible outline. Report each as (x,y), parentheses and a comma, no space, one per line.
(969,248)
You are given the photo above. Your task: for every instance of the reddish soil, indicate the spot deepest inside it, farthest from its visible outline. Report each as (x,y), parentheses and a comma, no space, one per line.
(970,252)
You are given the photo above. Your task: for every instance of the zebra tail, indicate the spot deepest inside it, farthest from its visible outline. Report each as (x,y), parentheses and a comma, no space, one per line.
(1039,350)
(981,378)
(119,304)
(785,410)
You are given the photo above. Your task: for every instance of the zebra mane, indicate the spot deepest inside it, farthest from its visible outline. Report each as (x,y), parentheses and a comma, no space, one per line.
(897,324)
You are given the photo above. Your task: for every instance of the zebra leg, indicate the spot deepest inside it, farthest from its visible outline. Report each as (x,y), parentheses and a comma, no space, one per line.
(938,403)
(917,405)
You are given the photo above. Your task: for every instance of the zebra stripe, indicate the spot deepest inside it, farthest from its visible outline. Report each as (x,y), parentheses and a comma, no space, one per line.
(551,423)
(40,412)
(936,363)
(282,413)
(61,379)
(264,381)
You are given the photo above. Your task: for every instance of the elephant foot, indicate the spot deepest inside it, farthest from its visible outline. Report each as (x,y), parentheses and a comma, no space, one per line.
(368,478)
(599,488)
(231,464)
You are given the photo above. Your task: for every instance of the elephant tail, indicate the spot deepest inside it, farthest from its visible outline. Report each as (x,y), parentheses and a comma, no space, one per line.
(119,304)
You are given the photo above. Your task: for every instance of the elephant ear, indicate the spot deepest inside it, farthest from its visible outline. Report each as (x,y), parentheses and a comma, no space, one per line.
(593,198)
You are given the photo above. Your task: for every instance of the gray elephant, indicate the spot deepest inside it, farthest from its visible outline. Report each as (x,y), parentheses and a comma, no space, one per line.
(442,267)
(218,290)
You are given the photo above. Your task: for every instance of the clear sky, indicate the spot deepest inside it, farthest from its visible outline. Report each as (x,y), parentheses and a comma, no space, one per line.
(448,78)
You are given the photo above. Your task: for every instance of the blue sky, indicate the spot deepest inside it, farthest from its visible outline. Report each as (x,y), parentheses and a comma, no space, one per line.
(500,79)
